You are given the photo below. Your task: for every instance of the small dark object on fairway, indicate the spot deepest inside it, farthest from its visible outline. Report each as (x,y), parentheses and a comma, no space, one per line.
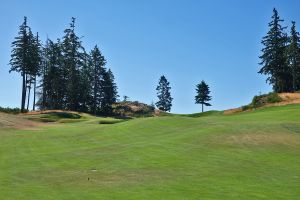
(88,178)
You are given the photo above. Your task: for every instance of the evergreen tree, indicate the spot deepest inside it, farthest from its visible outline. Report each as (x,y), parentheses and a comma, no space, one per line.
(53,77)
(164,102)
(20,58)
(202,96)
(294,57)
(34,51)
(37,60)
(273,58)
(86,78)
(109,92)
(98,63)
(73,53)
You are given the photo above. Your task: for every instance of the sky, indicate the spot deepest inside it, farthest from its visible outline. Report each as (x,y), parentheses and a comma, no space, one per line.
(218,41)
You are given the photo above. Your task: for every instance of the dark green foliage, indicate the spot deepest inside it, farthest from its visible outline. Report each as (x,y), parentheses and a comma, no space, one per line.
(26,59)
(293,51)
(20,58)
(247,107)
(74,55)
(97,64)
(280,57)
(202,96)
(10,110)
(164,102)
(71,79)
(264,99)
(53,83)
(109,92)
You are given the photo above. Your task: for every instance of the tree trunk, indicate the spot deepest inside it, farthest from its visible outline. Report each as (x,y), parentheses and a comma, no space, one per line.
(28,98)
(34,93)
(294,80)
(202,107)
(23,99)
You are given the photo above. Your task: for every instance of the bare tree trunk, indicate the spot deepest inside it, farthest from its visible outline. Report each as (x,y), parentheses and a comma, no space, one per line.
(23,99)
(34,94)
(23,93)
(202,107)
(28,98)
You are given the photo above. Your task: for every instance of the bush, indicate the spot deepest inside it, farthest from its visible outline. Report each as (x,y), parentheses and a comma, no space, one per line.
(247,107)
(273,98)
(10,110)
(264,99)
(133,109)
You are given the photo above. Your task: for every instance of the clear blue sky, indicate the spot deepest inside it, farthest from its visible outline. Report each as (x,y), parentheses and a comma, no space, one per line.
(186,40)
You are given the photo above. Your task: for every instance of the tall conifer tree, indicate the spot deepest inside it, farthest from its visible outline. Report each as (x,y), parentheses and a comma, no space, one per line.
(109,92)
(164,102)
(273,58)
(20,58)
(98,63)
(73,53)
(294,57)
(202,96)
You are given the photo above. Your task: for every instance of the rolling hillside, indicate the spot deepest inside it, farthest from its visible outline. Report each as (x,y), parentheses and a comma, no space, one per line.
(250,155)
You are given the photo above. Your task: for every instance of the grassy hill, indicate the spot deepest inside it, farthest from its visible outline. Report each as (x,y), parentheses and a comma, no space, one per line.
(249,155)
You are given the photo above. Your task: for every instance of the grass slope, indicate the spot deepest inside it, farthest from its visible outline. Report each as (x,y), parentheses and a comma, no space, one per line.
(252,155)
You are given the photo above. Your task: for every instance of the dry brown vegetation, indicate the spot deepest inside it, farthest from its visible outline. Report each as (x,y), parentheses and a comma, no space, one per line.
(287,98)
(17,122)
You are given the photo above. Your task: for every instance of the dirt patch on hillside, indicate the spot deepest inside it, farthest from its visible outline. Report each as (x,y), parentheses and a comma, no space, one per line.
(17,122)
(232,111)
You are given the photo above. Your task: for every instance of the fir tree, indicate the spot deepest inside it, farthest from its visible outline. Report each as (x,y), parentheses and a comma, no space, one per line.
(202,96)
(20,58)
(37,60)
(86,78)
(294,57)
(98,63)
(73,53)
(273,58)
(53,77)
(164,102)
(109,92)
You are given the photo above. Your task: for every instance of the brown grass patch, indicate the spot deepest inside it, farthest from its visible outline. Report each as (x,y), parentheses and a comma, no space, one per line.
(38,112)
(232,111)
(261,139)
(17,122)
(287,98)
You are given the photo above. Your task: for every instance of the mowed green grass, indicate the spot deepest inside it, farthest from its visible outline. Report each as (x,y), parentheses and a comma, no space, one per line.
(252,155)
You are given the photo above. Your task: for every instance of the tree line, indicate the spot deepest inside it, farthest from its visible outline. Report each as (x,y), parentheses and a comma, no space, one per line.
(61,73)
(280,59)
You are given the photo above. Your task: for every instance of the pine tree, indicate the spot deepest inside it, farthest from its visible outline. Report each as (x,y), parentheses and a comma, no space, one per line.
(294,57)
(53,77)
(73,53)
(34,51)
(109,92)
(202,96)
(98,63)
(20,58)
(273,58)
(86,78)
(164,102)
(37,60)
